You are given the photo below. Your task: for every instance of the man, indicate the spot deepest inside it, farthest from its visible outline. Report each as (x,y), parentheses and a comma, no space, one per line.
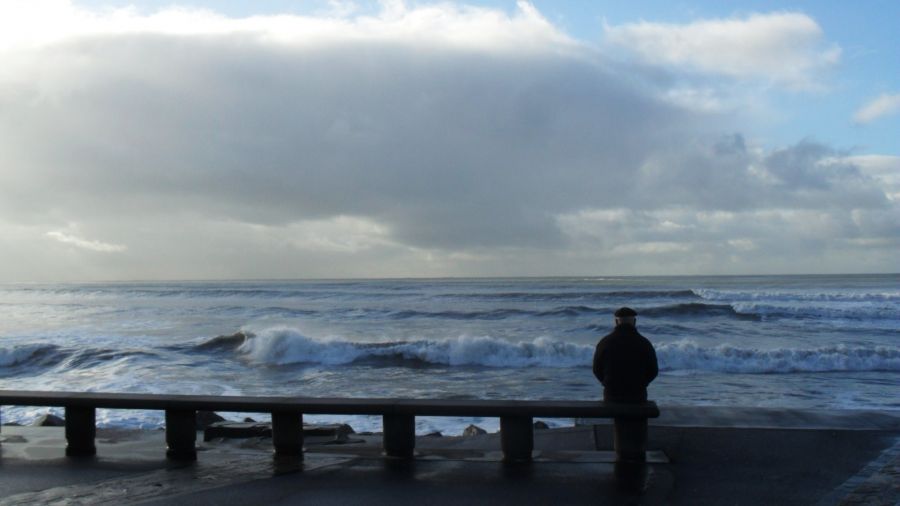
(625,361)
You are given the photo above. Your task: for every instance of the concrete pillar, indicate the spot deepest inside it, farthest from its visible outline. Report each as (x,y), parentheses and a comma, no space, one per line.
(287,434)
(81,431)
(630,439)
(181,434)
(399,435)
(516,437)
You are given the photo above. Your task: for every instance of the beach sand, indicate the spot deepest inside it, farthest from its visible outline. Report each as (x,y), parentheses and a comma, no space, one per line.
(697,456)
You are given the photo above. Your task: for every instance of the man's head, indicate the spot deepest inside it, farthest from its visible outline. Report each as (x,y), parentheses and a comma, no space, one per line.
(626,316)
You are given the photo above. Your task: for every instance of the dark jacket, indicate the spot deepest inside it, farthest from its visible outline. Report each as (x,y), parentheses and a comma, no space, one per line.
(625,363)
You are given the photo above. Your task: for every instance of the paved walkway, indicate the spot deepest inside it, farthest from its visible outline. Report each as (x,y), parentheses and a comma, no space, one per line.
(878,483)
(689,465)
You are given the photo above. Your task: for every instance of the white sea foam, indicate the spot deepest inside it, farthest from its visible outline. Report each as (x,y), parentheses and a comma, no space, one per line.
(687,355)
(282,345)
(867,311)
(804,295)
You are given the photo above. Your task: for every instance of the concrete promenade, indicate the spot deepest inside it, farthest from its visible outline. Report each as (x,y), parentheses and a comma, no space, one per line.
(698,456)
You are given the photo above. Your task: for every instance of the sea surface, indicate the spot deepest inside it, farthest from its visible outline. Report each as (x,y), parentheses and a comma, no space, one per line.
(776,341)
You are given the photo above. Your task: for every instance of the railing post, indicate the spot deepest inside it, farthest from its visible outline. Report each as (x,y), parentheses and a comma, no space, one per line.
(630,439)
(81,430)
(630,442)
(399,435)
(287,434)
(181,433)
(516,437)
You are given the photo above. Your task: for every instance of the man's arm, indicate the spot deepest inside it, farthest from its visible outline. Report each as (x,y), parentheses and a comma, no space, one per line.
(652,366)
(598,361)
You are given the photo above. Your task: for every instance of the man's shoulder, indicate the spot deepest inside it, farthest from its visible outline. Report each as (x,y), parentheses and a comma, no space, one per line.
(608,337)
(604,341)
(644,339)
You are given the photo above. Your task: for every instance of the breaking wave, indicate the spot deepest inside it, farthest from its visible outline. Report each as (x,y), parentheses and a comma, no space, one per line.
(805,296)
(29,354)
(869,312)
(284,346)
(37,358)
(687,355)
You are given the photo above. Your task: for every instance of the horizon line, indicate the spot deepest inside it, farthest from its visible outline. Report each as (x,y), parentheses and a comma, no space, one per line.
(596,277)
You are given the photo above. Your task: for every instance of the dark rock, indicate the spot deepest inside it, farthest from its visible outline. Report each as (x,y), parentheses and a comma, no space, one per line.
(335,430)
(207,418)
(237,430)
(249,420)
(48,420)
(225,343)
(336,433)
(473,430)
(12,424)
(436,433)
(539,425)
(342,441)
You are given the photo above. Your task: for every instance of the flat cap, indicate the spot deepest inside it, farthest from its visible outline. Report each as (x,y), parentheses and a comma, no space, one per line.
(624,312)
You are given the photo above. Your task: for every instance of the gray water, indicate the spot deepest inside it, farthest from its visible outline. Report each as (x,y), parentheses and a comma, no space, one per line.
(830,342)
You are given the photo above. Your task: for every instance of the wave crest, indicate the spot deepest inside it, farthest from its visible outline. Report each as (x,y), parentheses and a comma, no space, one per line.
(688,356)
(282,346)
(804,296)
(28,354)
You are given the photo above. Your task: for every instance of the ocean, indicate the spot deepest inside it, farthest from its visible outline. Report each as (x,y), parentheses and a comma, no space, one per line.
(809,342)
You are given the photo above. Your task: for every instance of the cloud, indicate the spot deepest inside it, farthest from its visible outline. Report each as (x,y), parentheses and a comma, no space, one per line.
(431,141)
(44,23)
(879,107)
(91,245)
(344,234)
(883,169)
(453,143)
(784,48)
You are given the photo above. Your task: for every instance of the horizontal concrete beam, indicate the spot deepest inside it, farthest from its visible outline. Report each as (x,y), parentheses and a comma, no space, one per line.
(336,406)
(517,432)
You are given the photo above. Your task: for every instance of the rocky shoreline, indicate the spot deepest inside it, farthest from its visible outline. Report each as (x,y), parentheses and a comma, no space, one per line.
(215,426)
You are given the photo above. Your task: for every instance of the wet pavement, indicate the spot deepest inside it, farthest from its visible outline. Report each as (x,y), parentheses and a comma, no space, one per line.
(821,464)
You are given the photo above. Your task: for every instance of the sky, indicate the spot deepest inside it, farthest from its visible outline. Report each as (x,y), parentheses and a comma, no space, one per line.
(198,139)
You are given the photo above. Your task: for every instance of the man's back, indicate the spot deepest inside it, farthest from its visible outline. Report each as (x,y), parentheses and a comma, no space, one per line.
(625,363)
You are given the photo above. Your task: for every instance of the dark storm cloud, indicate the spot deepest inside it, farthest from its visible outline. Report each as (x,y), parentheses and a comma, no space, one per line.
(452,147)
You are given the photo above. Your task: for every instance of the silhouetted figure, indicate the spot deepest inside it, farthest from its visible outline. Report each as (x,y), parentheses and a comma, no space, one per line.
(625,363)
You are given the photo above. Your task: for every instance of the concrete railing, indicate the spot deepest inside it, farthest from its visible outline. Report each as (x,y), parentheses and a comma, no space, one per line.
(516,427)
